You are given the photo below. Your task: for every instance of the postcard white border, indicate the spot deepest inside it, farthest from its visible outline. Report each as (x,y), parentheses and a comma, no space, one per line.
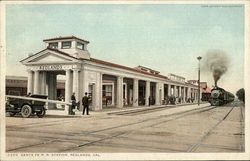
(130,156)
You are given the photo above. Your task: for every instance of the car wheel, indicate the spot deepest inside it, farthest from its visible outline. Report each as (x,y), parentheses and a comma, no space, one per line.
(41,113)
(26,111)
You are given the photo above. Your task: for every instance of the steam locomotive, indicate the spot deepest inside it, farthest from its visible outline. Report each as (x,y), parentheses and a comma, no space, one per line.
(219,97)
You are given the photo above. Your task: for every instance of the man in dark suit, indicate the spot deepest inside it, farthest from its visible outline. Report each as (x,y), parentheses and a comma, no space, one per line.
(85,103)
(73,101)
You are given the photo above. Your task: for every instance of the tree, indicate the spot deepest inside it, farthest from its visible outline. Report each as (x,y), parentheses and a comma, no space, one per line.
(241,94)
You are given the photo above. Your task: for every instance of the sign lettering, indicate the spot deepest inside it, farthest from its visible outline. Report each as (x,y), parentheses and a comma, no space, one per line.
(50,67)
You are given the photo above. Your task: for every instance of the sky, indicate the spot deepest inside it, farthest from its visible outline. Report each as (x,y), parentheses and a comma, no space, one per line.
(164,37)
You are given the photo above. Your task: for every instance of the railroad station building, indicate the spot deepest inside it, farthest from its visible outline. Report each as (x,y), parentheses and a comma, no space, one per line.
(108,84)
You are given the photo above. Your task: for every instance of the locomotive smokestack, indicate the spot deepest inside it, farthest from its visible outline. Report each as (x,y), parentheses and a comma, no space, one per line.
(217,62)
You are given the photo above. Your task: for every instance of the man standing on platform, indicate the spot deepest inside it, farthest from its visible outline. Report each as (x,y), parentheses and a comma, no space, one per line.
(73,101)
(85,103)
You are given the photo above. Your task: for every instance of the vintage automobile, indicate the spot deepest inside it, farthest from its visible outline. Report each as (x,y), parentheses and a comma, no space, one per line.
(26,107)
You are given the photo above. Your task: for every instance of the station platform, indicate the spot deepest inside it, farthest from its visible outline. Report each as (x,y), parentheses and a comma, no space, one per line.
(110,110)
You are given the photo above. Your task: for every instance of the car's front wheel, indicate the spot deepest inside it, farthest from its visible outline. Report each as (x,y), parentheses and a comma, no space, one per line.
(26,111)
(41,113)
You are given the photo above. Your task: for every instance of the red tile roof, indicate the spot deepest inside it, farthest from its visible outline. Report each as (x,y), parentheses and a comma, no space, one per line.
(126,68)
(64,38)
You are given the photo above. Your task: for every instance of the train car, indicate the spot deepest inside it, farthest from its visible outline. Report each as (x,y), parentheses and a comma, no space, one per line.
(219,97)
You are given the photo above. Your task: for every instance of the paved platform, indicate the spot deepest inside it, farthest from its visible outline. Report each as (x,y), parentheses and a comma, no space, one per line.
(171,129)
(105,110)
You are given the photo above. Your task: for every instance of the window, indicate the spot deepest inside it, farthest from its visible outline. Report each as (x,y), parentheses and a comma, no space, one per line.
(53,45)
(66,45)
(80,45)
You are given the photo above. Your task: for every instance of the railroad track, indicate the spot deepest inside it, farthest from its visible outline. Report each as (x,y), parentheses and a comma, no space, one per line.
(204,137)
(144,110)
(169,117)
(207,134)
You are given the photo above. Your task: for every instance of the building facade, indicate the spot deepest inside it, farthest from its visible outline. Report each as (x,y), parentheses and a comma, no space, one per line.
(107,83)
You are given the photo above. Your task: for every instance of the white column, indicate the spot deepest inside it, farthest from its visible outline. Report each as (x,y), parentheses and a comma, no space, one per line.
(98,93)
(135,93)
(184,94)
(43,82)
(36,82)
(85,81)
(147,93)
(81,86)
(181,93)
(30,82)
(76,83)
(174,94)
(119,97)
(55,85)
(113,94)
(68,84)
(169,90)
(125,92)
(178,91)
(188,93)
(52,89)
(162,93)
(157,94)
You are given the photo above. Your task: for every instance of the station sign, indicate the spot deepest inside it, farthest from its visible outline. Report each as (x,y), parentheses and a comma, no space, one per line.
(50,67)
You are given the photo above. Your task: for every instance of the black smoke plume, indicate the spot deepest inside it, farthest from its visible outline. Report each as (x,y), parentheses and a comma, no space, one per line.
(217,62)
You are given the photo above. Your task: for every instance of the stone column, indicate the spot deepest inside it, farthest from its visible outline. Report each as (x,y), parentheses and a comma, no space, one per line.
(85,81)
(174,94)
(184,94)
(68,92)
(179,91)
(188,92)
(135,93)
(169,90)
(98,93)
(113,94)
(147,93)
(36,83)
(157,94)
(43,82)
(52,89)
(125,92)
(162,93)
(30,81)
(119,96)
(76,83)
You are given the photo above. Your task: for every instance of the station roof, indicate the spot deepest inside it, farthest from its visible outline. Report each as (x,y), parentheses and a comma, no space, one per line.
(65,38)
(101,62)
(126,68)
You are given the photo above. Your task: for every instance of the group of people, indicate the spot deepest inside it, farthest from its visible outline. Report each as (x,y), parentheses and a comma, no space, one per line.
(85,102)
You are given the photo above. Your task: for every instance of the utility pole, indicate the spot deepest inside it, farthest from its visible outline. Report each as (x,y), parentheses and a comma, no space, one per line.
(199,58)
